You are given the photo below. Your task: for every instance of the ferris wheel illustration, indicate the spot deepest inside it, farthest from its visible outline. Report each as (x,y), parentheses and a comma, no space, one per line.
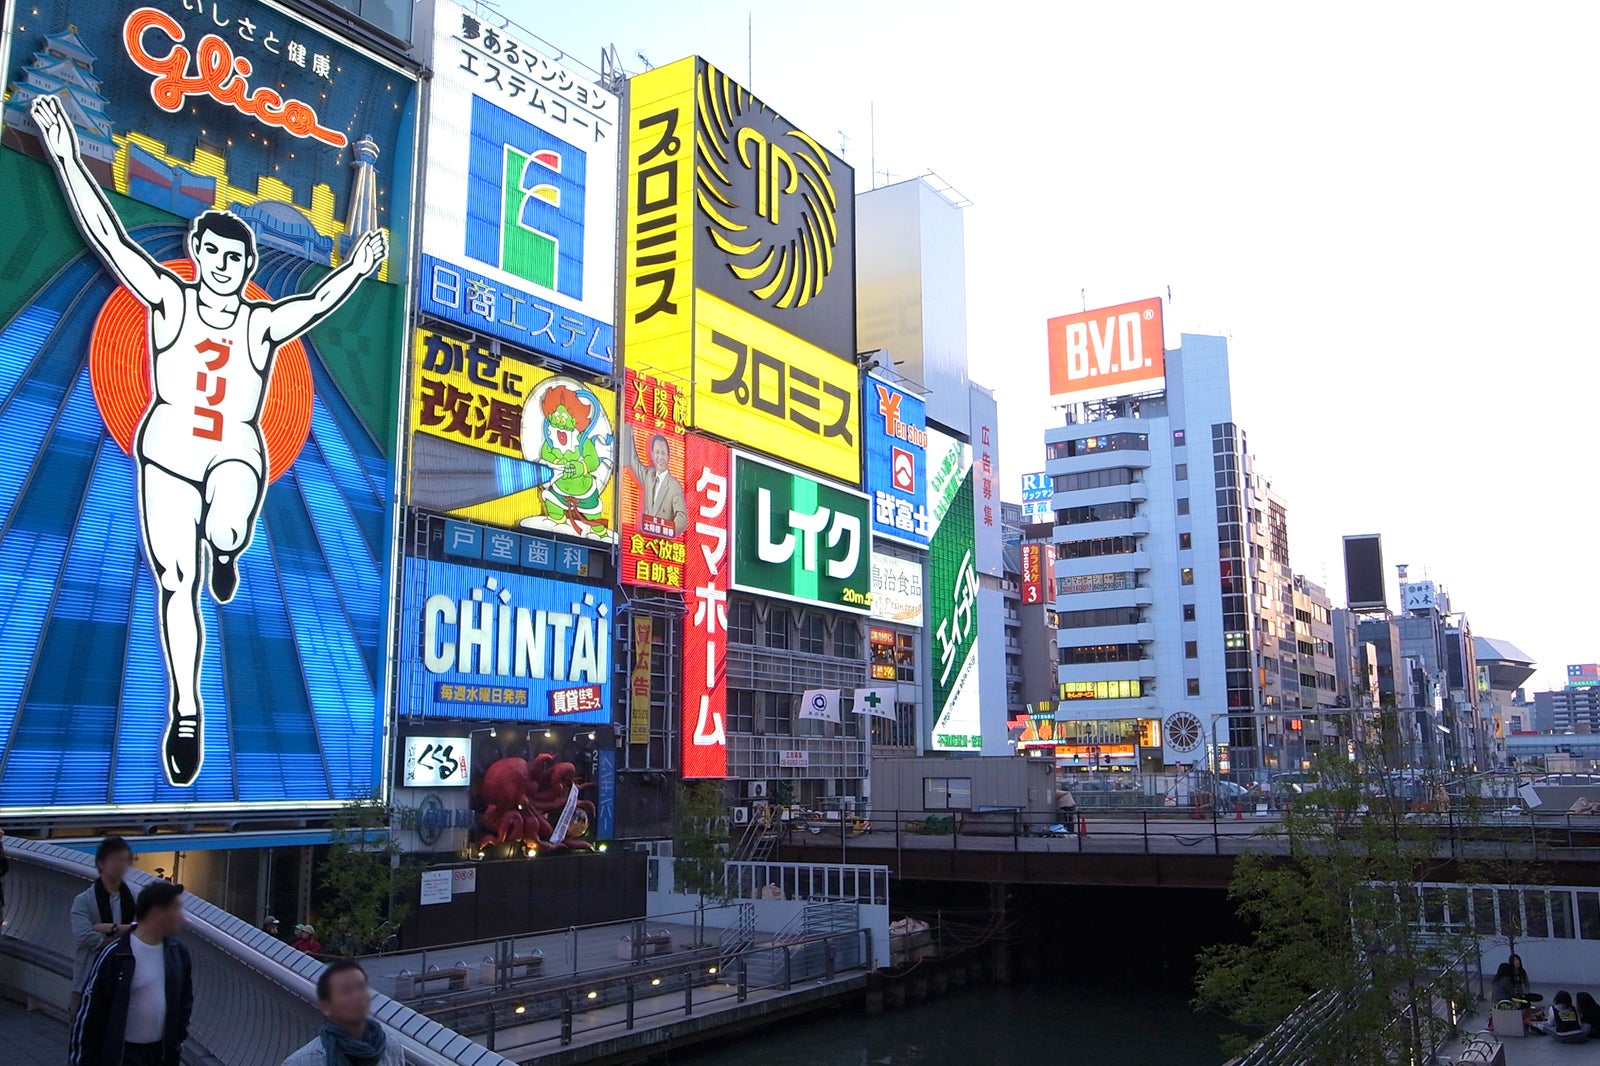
(1183,731)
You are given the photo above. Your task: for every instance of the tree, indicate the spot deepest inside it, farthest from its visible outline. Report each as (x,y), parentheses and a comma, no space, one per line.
(364,881)
(1335,920)
(1498,850)
(700,843)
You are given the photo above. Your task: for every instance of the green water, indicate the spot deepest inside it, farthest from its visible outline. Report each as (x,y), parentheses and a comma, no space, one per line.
(1036,1023)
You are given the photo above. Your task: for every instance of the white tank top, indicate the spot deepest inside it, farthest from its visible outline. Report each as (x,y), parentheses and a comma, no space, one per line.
(208,398)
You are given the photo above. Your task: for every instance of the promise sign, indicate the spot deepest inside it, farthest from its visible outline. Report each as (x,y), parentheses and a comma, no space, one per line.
(800,539)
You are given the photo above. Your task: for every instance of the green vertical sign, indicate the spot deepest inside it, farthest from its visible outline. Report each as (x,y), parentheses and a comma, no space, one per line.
(799,538)
(953,599)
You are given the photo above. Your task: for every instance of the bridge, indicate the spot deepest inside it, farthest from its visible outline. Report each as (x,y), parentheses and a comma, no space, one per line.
(1148,848)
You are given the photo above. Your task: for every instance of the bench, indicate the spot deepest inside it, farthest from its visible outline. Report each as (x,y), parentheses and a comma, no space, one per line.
(511,968)
(656,943)
(408,985)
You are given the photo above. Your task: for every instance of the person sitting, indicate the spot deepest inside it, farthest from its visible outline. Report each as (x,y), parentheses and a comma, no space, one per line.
(1521,983)
(1589,1011)
(1504,985)
(305,939)
(1564,1023)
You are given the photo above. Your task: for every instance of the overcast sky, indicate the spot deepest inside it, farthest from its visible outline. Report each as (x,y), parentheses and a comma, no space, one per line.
(1389,209)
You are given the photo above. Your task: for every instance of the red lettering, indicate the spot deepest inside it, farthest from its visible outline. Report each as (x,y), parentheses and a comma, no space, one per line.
(217,74)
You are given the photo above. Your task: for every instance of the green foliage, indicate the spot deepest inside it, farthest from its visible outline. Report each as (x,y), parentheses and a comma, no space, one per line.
(1335,912)
(364,884)
(700,840)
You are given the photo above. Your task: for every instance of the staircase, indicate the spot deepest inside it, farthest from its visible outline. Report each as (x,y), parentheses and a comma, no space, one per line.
(807,958)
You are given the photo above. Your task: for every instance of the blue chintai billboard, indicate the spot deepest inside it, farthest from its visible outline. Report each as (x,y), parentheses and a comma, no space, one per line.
(478,642)
(202,321)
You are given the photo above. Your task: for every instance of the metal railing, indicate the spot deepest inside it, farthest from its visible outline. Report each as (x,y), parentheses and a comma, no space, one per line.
(542,1017)
(255,997)
(1218,828)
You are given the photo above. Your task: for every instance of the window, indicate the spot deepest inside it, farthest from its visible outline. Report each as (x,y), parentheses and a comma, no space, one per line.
(813,634)
(1188,612)
(775,714)
(1100,653)
(1185,541)
(1186,575)
(1104,512)
(846,639)
(1110,442)
(1094,479)
(741,622)
(778,627)
(741,711)
(1102,690)
(905,657)
(1066,586)
(1191,649)
(947,793)
(1183,505)
(1181,471)
(392,17)
(1089,549)
(883,666)
(1177,438)
(1104,616)
(1194,686)
(900,733)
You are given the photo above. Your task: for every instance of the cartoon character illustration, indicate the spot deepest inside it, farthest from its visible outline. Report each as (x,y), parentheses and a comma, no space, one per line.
(576,446)
(202,459)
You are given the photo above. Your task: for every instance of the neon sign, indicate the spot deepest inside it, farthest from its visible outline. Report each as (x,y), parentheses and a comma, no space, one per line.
(218,74)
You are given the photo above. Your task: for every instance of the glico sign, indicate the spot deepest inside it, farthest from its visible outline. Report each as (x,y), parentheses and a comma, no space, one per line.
(740,277)
(203,313)
(1108,352)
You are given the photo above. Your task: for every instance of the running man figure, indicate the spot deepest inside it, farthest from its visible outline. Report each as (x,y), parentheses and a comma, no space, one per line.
(201,456)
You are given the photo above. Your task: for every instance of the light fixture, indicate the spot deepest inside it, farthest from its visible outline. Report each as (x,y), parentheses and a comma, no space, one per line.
(712,970)
(594,995)
(548,734)
(520,1009)
(601,847)
(655,980)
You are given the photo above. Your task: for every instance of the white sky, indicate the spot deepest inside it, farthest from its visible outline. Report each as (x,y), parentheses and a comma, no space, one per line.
(1388,207)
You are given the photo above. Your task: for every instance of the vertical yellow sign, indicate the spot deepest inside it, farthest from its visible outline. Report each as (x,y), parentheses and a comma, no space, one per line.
(644,631)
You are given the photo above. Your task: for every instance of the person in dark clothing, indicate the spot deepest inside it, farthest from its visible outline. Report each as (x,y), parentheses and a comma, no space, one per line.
(1564,1023)
(1504,984)
(1588,1010)
(100,913)
(349,1035)
(140,993)
(1520,982)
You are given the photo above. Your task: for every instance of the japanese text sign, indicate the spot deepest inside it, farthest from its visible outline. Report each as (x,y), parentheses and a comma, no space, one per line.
(799,538)
(895,424)
(436,762)
(519,227)
(705,628)
(479,642)
(1032,573)
(952,608)
(1038,492)
(502,441)
(655,510)
(740,269)
(897,592)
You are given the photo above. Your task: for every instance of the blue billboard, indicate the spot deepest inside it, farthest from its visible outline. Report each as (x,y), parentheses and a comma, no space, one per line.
(895,423)
(202,321)
(483,643)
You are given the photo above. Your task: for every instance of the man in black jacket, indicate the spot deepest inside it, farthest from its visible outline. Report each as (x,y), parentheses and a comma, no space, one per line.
(140,993)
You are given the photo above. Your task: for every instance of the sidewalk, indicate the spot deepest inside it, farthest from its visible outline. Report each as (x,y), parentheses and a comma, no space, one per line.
(31,1038)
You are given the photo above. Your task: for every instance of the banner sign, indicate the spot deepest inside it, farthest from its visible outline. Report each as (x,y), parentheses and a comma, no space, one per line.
(436,762)
(705,631)
(193,520)
(952,600)
(989,554)
(1112,351)
(897,593)
(503,441)
(1032,573)
(480,643)
(821,704)
(876,702)
(519,228)
(655,510)
(740,273)
(644,633)
(896,427)
(799,539)
(1038,495)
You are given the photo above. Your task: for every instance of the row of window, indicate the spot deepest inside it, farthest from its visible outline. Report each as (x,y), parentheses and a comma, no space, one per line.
(780,630)
(1132,688)
(1090,549)
(772,714)
(1103,512)
(1102,616)
(1109,442)
(1093,479)
(1100,653)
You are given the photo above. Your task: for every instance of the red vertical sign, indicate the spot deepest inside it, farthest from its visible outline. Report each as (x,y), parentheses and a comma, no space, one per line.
(653,514)
(1050,574)
(705,632)
(1032,565)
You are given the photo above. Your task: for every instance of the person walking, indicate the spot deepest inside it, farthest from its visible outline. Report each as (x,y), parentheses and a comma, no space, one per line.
(140,993)
(349,1035)
(100,913)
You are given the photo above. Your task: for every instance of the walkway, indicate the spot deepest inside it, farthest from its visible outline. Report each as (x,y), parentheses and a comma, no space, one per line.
(32,1038)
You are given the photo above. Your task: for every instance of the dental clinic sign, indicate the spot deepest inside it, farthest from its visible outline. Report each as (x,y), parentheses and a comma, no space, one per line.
(799,538)
(486,643)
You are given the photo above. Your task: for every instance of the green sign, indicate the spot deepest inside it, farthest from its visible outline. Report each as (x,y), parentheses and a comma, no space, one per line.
(953,598)
(800,539)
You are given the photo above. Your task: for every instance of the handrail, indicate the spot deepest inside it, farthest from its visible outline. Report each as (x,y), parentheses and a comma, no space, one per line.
(256,995)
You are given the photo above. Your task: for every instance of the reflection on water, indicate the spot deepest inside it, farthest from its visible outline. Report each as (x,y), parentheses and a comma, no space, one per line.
(1037,1023)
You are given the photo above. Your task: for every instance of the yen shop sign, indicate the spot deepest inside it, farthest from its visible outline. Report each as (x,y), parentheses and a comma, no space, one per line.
(799,538)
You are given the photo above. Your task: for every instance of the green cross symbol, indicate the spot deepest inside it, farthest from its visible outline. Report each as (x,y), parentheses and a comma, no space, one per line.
(872,700)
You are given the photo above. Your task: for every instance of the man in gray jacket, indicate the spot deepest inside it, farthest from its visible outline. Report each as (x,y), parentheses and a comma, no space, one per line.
(100,913)
(349,1036)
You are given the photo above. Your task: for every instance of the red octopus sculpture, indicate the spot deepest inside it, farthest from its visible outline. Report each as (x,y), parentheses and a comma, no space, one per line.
(524,801)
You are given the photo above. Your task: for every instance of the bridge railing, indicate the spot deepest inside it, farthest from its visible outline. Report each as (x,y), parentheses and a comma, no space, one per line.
(255,997)
(1219,829)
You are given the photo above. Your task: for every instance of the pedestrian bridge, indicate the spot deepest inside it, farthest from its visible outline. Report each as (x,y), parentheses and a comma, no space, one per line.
(255,997)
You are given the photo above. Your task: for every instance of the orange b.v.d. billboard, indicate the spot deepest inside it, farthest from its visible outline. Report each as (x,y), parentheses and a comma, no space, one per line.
(1107,352)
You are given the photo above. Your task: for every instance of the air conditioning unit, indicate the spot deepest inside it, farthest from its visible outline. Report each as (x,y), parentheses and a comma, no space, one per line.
(756,790)
(741,816)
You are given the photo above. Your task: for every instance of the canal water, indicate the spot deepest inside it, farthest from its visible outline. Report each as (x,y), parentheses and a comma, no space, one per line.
(1037,1023)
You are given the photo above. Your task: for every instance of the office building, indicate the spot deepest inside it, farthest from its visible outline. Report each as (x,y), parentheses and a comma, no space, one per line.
(1502,669)
(1574,709)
